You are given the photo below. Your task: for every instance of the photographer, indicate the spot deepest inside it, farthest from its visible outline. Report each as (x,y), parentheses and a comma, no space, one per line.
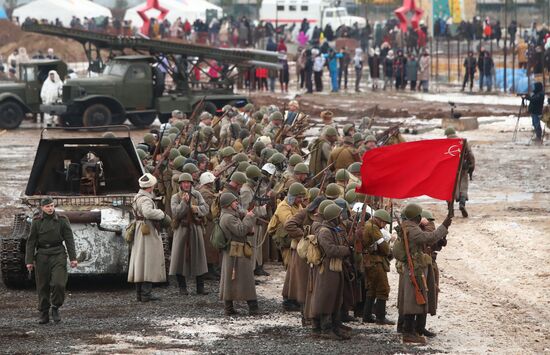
(536,103)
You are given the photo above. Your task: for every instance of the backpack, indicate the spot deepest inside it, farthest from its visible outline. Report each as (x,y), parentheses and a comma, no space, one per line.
(217,238)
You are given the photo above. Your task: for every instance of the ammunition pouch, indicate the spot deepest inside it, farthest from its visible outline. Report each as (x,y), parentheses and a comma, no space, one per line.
(130,232)
(240,250)
(336,265)
(145,229)
(293,244)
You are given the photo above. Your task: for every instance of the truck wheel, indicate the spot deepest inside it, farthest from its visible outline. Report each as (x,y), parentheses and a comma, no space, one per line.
(97,115)
(210,107)
(142,119)
(12,255)
(11,115)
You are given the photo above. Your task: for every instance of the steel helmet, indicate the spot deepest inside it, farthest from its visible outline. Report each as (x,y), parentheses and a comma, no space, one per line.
(253,172)
(240,157)
(355,168)
(295,159)
(184,150)
(332,211)
(174,153)
(324,204)
(450,131)
(190,168)
(383,215)
(238,177)
(227,198)
(149,138)
(342,175)
(242,166)
(141,154)
(297,189)
(277,158)
(351,196)
(313,192)
(178,162)
(412,210)
(332,191)
(301,168)
(185,177)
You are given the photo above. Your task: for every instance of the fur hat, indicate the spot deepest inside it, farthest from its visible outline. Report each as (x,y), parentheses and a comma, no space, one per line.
(147,180)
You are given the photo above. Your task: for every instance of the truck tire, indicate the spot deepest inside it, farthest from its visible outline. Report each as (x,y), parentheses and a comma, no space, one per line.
(210,107)
(11,115)
(12,255)
(97,115)
(142,119)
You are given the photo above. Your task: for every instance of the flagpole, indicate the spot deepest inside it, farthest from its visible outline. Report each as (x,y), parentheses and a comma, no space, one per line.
(451,204)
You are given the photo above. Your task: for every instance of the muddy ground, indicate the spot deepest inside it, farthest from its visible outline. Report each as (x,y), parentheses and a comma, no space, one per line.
(495,271)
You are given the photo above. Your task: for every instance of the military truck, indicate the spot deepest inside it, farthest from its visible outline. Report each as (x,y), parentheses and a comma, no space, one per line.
(159,77)
(93,182)
(20,98)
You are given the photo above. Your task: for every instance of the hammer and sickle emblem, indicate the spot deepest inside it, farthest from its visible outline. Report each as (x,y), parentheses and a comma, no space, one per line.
(453,150)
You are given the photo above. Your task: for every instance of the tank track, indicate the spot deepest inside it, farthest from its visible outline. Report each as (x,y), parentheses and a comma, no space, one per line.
(12,254)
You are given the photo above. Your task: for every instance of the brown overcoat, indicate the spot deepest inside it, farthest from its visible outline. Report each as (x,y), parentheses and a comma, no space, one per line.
(406,301)
(296,278)
(242,287)
(328,290)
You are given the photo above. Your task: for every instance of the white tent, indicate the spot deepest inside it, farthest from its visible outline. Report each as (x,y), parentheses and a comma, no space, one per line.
(64,10)
(186,9)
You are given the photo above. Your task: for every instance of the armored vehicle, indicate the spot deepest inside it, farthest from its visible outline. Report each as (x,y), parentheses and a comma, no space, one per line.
(92,181)
(22,97)
(159,77)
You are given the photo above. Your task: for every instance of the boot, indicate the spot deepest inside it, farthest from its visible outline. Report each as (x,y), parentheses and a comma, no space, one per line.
(400,324)
(358,309)
(259,271)
(316,326)
(147,292)
(409,335)
(44,317)
(55,315)
(200,286)
(253,309)
(182,284)
(228,308)
(345,317)
(367,311)
(420,326)
(381,313)
(462,207)
(340,329)
(138,291)
(327,329)
(290,305)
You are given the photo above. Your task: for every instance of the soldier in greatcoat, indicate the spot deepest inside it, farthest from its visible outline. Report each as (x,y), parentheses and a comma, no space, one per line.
(188,257)
(409,303)
(328,291)
(237,277)
(146,264)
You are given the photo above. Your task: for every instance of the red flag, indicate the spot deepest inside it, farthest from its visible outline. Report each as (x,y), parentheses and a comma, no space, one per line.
(427,167)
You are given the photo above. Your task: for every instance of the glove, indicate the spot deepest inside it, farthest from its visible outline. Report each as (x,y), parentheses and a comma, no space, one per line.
(166,221)
(447,222)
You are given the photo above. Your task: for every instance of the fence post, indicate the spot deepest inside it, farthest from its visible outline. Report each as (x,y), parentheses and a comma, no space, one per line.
(513,90)
(437,59)
(458,58)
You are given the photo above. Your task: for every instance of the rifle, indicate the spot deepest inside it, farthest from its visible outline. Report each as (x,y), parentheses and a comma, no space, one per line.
(165,154)
(279,134)
(196,148)
(371,122)
(385,136)
(199,105)
(256,198)
(451,203)
(312,181)
(157,147)
(361,222)
(417,292)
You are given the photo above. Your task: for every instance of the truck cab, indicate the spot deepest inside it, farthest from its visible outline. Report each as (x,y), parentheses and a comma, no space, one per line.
(22,97)
(125,88)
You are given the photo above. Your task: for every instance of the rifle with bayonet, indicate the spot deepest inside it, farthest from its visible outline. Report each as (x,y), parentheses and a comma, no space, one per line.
(417,292)
(279,134)
(311,182)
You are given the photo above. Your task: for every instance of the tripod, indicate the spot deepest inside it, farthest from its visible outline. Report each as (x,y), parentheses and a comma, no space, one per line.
(515,135)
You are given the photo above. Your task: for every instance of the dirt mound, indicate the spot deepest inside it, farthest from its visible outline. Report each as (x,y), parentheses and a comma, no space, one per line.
(11,37)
